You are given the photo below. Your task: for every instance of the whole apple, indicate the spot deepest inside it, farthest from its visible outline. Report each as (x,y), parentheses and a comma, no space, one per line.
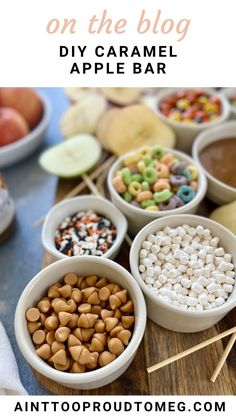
(13,126)
(24,100)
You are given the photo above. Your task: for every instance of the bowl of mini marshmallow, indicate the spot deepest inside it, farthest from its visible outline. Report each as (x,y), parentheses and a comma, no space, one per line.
(185,266)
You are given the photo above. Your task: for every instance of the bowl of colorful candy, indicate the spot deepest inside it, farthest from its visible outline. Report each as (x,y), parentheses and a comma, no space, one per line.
(185,265)
(190,111)
(153,182)
(84,226)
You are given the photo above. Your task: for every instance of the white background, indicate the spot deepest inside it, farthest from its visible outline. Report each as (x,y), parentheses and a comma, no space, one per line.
(29,56)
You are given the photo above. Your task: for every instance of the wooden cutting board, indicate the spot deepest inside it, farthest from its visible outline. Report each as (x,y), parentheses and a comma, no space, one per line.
(189,376)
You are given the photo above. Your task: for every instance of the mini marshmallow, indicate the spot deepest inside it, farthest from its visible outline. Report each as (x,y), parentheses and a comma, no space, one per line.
(196,287)
(146,245)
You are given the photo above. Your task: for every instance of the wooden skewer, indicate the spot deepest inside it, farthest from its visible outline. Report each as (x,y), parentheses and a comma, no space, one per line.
(223,357)
(78,188)
(191,350)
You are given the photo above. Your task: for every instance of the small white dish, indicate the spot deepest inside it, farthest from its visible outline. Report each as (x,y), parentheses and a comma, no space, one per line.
(17,151)
(230,92)
(165,314)
(83,265)
(217,191)
(186,133)
(84,202)
(138,217)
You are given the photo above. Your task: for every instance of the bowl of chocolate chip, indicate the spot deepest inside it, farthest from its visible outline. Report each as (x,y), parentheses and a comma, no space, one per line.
(79,321)
(215,152)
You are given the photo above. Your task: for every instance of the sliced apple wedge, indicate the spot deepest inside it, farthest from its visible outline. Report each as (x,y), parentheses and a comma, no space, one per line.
(136,126)
(122,96)
(83,116)
(73,157)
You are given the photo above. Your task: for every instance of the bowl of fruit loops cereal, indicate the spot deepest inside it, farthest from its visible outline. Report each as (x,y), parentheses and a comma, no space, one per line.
(153,182)
(189,111)
(80,321)
(185,265)
(85,225)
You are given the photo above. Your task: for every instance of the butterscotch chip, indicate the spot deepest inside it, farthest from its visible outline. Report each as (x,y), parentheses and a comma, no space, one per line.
(78,368)
(106,358)
(102,282)
(70,278)
(85,308)
(124,336)
(127,307)
(104,293)
(114,288)
(50,337)
(92,365)
(127,321)
(87,320)
(61,367)
(79,281)
(88,291)
(117,313)
(39,337)
(83,285)
(122,295)
(76,295)
(96,309)
(75,352)
(53,291)
(85,357)
(61,305)
(115,302)
(115,346)
(44,351)
(91,280)
(33,326)
(106,313)
(42,317)
(116,330)
(99,326)
(60,358)
(98,342)
(73,341)
(65,290)
(72,307)
(64,317)
(83,334)
(51,323)
(73,322)
(62,334)
(44,306)
(33,314)
(110,323)
(57,346)
(93,298)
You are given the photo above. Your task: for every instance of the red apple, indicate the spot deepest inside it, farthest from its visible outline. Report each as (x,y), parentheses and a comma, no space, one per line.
(24,100)
(13,126)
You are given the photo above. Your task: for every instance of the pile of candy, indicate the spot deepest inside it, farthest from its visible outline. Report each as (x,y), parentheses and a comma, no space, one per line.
(191,106)
(155,180)
(81,324)
(85,233)
(186,266)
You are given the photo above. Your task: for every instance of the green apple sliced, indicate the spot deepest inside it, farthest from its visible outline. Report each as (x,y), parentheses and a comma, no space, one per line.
(73,157)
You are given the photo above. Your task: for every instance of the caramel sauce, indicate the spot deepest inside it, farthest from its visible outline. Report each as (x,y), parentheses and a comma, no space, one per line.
(219,159)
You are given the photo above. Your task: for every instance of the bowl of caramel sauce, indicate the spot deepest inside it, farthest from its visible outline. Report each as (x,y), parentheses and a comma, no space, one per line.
(215,152)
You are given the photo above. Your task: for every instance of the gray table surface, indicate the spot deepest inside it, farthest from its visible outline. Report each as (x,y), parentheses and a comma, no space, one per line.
(21,257)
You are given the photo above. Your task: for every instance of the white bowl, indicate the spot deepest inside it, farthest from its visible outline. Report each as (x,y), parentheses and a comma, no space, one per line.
(36,288)
(186,133)
(217,191)
(18,150)
(84,202)
(138,217)
(165,314)
(228,92)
